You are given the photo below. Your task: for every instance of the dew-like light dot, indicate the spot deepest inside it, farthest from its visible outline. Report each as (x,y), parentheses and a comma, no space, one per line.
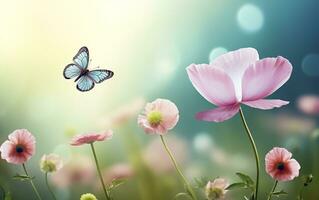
(250,18)
(214,53)
(310,65)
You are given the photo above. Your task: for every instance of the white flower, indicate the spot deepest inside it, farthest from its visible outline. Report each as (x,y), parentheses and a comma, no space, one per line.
(50,163)
(217,189)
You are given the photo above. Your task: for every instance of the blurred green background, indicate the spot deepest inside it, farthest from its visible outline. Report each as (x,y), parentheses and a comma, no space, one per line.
(148,44)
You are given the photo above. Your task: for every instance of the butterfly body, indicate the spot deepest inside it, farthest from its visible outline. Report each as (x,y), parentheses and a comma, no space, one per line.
(83,73)
(85,78)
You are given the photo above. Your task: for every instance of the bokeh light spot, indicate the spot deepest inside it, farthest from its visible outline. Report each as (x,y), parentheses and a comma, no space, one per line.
(214,53)
(202,142)
(250,18)
(310,65)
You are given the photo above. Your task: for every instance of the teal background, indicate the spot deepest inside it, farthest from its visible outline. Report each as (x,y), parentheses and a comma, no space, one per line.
(148,44)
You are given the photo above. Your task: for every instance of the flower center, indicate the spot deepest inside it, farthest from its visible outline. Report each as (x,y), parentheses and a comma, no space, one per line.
(280,166)
(154,118)
(214,193)
(19,148)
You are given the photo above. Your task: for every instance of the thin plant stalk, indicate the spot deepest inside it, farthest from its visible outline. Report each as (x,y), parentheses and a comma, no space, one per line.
(106,193)
(251,139)
(188,186)
(3,191)
(31,181)
(272,190)
(49,188)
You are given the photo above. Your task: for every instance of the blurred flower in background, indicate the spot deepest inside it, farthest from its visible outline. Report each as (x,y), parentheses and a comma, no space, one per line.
(118,171)
(78,170)
(216,189)
(292,124)
(51,163)
(124,113)
(309,104)
(156,157)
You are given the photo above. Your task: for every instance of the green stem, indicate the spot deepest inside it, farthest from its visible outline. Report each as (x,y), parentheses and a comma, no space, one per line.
(251,139)
(31,181)
(272,190)
(3,191)
(49,188)
(189,188)
(107,196)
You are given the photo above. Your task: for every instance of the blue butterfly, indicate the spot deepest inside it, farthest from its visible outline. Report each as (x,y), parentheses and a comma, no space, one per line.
(79,70)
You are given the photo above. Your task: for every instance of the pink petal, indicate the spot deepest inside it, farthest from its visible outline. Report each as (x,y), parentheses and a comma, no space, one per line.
(264,77)
(235,63)
(218,114)
(294,168)
(266,104)
(213,84)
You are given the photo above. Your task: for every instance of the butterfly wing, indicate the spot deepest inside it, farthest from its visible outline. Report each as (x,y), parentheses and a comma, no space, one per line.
(82,58)
(85,83)
(71,71)
(100,75)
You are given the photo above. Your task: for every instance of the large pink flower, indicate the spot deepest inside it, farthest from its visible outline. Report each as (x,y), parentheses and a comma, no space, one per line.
(90,138)
(280,165)
(19,148)
(239,77)
(159,117)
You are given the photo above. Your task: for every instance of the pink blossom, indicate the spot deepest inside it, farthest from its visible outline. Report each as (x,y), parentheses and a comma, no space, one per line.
(309,104)
(159,117)
(19,148)
(216,190)
(239,77)
(90,138)
(280,165)
(118,171)
(78,170)
(124,113)
(156,157)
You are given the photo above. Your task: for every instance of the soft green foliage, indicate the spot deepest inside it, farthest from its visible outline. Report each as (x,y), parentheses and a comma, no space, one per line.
(22,177)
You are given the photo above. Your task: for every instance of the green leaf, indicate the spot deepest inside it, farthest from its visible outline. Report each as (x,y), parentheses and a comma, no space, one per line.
(22,177)
(236,186)
(246,198)
(187,190)
(278,193)
(181,195)
(246,179)
(201,182)
(117,182)
(8,196)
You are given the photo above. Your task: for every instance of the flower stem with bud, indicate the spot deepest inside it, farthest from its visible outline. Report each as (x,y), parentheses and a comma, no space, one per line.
(31,181)
(272,190)
(107,195)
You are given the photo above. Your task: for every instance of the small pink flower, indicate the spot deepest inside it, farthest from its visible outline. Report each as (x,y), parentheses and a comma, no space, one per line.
(19,148)
(118,171)
(239,77)
(217,189)
(159,117)
(309,104)
(90,138)
(280,166)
